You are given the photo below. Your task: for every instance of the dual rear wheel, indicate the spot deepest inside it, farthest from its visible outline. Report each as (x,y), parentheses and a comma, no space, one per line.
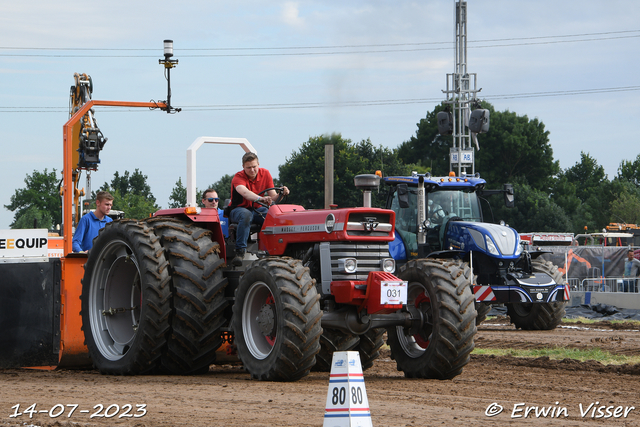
(153,298)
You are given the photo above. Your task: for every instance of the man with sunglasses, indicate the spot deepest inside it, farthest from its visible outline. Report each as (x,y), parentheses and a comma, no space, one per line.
(211,200)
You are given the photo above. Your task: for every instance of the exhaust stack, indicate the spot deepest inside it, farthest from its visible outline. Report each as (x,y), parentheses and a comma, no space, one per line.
(367,183)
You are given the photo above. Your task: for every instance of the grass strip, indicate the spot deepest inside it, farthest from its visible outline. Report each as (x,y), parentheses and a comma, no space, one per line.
(585,320)
(559,353)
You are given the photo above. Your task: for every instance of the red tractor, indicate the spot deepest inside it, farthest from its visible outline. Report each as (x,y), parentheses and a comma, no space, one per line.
(158,295)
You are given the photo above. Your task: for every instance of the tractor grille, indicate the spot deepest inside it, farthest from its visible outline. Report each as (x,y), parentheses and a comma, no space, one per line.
(368,255)
(370,224)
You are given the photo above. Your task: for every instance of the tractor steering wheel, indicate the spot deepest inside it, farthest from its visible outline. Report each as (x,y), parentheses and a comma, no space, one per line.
(438,214)
(278,200)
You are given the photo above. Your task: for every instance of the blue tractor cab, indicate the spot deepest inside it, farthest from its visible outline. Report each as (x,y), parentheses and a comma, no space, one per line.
(441,217)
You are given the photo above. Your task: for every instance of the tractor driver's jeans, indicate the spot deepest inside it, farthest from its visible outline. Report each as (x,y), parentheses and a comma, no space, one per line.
(245,217)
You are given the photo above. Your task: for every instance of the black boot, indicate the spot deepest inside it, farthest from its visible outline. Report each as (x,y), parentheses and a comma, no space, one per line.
(237,260)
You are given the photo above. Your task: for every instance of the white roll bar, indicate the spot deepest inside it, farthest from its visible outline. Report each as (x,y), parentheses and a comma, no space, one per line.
(191,160)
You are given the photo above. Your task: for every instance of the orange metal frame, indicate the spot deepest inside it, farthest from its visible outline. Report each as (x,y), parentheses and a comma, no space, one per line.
(73,351)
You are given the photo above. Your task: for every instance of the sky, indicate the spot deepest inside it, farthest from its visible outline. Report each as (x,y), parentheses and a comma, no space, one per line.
(280,72)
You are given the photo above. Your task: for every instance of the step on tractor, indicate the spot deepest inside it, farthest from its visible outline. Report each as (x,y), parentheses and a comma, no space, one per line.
(440,218)
(158,295)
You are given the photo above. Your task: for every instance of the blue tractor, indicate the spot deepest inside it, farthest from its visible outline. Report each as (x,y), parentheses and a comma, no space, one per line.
(441,218)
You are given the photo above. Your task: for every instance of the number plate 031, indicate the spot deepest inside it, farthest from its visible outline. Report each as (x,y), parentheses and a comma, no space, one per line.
(393,293)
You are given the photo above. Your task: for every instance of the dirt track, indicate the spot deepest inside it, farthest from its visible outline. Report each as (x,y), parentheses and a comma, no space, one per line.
(226,396)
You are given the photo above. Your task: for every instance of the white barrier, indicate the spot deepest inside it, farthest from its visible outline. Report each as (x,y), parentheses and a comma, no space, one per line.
(347,404)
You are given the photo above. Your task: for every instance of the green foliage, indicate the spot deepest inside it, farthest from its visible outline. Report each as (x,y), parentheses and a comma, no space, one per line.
(40,200)
(626,206)
(587,175)
(533,211)
(630,171)
(178,196)
(515,147)
(303,171)
(563,193)
(134,206)
(131,194)
(427,148)
(562,353)
(222,187)
(134,184)
(34,218)
(585,194)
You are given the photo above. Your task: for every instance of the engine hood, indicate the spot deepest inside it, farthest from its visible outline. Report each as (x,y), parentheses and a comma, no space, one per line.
(493,239)
(292,224)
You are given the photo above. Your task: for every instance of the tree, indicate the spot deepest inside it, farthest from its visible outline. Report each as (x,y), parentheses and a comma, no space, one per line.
(533,211)
(630,171)
(133,205)
(514,147)
(33,217)
(626,206)
(428,148)
(587,175)
(303,171)
(222,187)
(178,196)
(585,193)
(135,184)
(39,200)
(131,194)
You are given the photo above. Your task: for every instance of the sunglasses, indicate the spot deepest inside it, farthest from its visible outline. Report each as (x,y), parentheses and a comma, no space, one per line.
(212,199)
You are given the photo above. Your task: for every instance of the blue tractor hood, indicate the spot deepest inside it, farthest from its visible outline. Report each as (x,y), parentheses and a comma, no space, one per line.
(497,241)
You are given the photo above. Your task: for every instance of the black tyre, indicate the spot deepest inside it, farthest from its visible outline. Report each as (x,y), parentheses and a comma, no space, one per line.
(333,340)
(539,316)
(198,301)
(483,309)
(369,346)
(126,299)
(276,320)
(441,290)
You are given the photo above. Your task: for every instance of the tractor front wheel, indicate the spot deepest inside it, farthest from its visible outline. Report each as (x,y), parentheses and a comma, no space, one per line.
(441,290)
(276,320)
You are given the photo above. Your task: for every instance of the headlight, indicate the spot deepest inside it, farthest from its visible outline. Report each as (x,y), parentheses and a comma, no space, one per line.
(491,247)
(388,265)
(519,249)
(348,265)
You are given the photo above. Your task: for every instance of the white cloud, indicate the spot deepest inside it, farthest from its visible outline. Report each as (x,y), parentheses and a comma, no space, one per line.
(291,15)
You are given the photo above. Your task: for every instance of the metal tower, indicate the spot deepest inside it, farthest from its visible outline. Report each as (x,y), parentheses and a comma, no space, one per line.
(461,94)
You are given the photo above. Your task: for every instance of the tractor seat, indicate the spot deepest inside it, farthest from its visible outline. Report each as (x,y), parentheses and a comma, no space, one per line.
(254,228)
